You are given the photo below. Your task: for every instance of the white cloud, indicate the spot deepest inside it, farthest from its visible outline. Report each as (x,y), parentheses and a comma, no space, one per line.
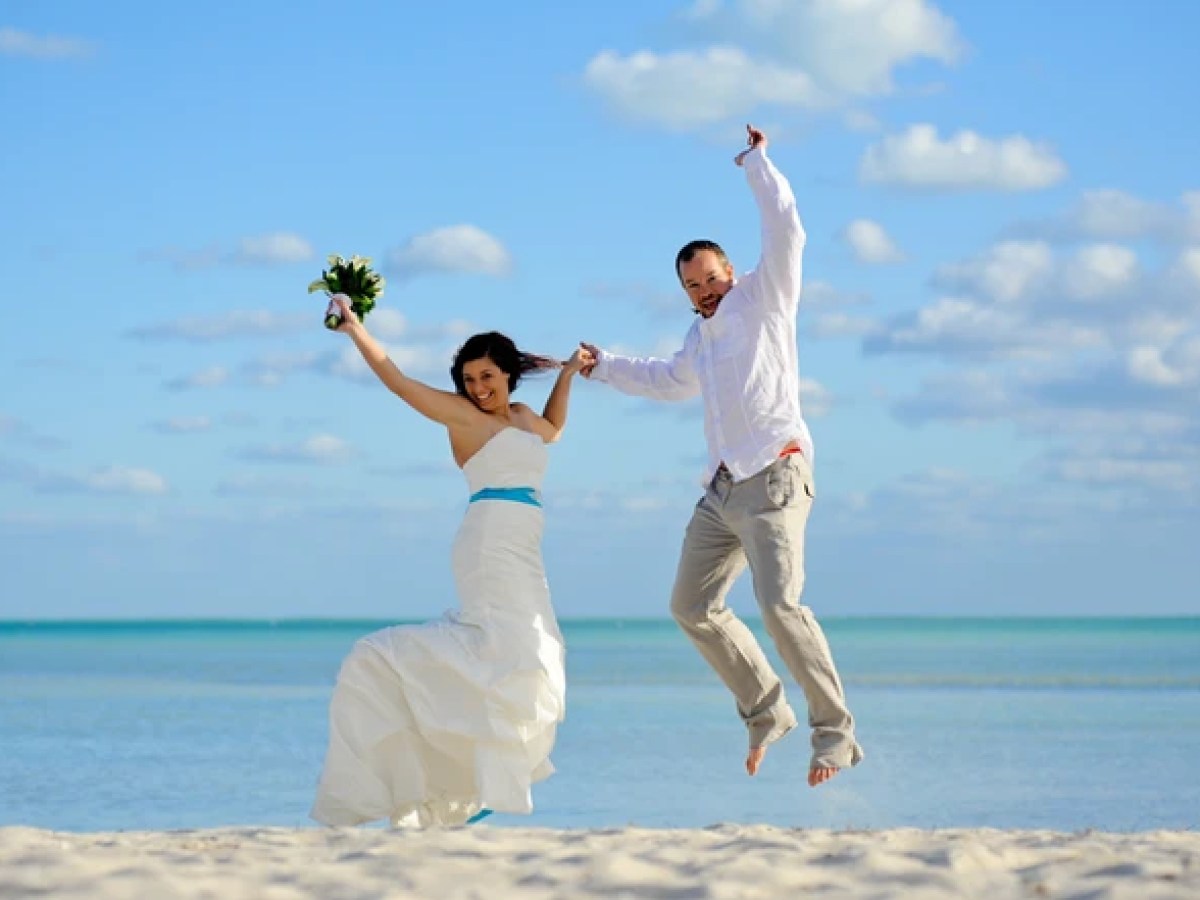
(107,480)
(1099,270)
(1018,272)
(387,324)
(1157,328)
(701,9)
(1017,300)
(815,398)
(799,54)
(1175,365)
(271,369)
(664,347)
(968,396)
(1169,475)
(326,448)
(1076,411)
(854,46)
(319,449)
(232,324)
(685,89)
(842,325)
(956,326)
(861,120)
(46,47)
(1007,272)
(1117,214)
(1114,215)
(213,376)
(455,248)
(349,363)
(278,248)
(1146,365)
(871,244)
(1186,268)
(1070,347)
(271,249)
(122,480)
(919,159)
(426,352)
(823,295)
(826,316)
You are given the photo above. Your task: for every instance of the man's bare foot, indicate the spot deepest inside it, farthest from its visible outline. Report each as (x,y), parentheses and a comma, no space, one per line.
(754,759)
(818,774)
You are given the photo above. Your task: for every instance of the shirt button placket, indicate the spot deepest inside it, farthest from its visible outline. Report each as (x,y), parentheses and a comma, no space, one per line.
(713,386)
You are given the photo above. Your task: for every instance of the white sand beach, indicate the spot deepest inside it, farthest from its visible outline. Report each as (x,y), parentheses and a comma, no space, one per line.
(726,861)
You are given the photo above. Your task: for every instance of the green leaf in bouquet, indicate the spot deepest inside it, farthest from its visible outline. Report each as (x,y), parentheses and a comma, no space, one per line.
(355,279)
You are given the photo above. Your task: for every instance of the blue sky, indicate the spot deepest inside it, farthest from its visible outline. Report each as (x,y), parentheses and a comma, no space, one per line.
(1000,331)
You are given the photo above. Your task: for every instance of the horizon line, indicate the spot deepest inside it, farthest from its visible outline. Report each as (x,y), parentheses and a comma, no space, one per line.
(278,620)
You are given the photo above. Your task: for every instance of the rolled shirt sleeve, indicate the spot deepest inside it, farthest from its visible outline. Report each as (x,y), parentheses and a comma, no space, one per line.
(780,268)
(671,379)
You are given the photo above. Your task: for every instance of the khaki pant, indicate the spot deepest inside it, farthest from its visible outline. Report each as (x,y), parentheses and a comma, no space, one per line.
(761,521)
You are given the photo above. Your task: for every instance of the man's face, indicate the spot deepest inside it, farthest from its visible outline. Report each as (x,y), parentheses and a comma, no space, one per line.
(707,279)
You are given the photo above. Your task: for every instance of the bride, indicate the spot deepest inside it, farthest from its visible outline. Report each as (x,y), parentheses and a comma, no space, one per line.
(442,723)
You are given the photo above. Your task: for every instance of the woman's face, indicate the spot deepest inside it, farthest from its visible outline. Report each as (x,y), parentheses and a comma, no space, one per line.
(486,384)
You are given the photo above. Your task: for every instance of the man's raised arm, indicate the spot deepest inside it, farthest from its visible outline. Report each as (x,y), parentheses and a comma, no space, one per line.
(781,265)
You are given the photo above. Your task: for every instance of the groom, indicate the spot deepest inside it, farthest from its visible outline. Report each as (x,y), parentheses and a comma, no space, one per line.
(740,355)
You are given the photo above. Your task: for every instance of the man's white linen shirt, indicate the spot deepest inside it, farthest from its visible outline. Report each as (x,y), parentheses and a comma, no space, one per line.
(743,358)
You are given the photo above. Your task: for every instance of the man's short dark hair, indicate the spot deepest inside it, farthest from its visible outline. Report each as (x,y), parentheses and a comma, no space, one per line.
(690,249)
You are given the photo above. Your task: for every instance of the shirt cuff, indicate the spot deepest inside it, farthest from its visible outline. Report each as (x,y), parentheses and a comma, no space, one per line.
(757,156)
(603,366)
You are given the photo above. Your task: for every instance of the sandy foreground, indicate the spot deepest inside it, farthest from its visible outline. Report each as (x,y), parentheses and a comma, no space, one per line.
(726,861)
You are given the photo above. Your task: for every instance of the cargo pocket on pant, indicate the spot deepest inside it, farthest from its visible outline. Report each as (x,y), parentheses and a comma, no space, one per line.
(783,483)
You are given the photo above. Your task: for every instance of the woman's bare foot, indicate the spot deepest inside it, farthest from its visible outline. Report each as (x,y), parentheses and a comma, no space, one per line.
(817,774)
(754,759)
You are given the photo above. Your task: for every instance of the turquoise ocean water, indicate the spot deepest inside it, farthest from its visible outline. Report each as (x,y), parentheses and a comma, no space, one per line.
(1035,723)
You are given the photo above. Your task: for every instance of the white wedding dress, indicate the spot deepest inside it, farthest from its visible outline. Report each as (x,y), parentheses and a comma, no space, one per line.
(431,724)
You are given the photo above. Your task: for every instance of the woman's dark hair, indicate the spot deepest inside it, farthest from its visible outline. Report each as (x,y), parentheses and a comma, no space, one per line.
(504,353)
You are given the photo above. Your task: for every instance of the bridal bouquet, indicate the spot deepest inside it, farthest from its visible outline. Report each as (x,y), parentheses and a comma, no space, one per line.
(356,279)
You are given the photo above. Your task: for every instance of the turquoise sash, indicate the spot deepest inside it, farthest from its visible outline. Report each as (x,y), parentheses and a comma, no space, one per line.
(513,494)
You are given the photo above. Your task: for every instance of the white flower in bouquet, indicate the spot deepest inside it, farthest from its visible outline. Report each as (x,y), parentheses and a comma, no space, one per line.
(356,279)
